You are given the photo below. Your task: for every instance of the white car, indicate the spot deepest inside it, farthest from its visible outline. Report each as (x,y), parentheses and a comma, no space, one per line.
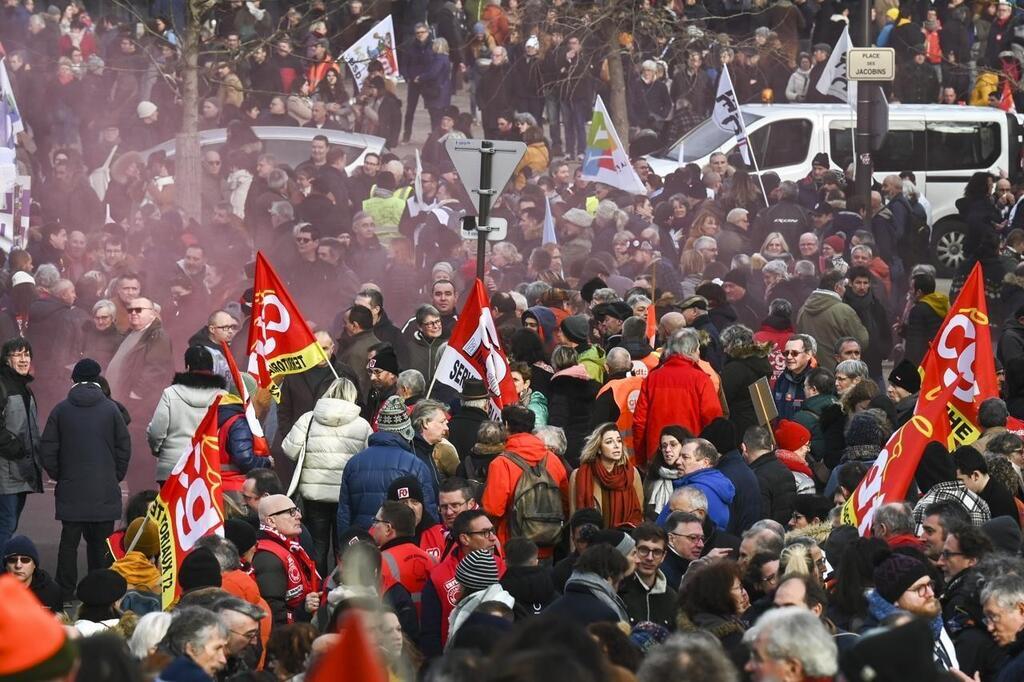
(289,144)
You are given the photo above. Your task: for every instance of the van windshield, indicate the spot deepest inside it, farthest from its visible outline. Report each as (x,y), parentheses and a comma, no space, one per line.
(704,139)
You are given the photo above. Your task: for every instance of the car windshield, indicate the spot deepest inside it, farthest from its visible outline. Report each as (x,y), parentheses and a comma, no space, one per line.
(704,139)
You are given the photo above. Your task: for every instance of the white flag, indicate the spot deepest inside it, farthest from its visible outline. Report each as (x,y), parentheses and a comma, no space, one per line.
(378,44)
(834,80)
(10,118)
(549,225)
(604,159)
(727,115)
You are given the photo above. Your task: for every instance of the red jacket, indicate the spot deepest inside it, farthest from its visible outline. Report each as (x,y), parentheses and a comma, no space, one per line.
(447,587)
(402,561)
(434,540)
(503,475)
(679,392)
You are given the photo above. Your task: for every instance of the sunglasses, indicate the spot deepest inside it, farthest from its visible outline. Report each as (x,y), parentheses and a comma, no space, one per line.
(18,559)
(303,240)
(137,311)
(791,353)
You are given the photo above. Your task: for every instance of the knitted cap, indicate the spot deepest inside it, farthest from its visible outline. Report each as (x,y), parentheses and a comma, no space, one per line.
(101,587)
(86,369)
(477,571)
(405,488)
(622,542)
(864,429)
(386,360)
(21,545)
(906,376)
(836,242)
(790,435)
(148,543)
(895,574)
(33,644)
(737,277)
(199,569)
(241,534)
(820,159)
(394,417)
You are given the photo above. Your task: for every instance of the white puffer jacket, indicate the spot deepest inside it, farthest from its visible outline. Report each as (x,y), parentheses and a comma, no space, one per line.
(336,434)
(182,406)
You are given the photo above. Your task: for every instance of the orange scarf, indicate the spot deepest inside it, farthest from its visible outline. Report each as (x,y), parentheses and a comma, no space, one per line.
(619,504)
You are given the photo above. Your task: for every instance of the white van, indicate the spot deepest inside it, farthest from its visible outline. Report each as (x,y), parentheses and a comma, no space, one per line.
(943,145)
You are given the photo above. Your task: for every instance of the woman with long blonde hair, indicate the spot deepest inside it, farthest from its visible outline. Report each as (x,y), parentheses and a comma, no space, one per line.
(606,480)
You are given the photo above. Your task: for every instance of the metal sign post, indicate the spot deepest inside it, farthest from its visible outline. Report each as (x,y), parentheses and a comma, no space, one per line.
(485,178)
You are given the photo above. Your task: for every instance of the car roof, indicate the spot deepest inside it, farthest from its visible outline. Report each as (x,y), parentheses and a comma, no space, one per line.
(930,110)
(296,133)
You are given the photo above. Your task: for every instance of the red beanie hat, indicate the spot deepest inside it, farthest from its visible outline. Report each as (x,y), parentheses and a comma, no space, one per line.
(791,436)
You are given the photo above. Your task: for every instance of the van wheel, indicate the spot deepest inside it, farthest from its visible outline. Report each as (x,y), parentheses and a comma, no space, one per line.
(948,247)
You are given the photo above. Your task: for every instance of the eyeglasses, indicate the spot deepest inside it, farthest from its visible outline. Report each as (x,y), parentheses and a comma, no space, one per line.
(290,511)
(923,590)
(768,579)
(991,619)
(947,555)
(486,532)
(15,559)
(791,353)
(432,323)
(226,327)
(696,537)
(248,636)
(657,553)
(137,311)
(453,506)
(102,317)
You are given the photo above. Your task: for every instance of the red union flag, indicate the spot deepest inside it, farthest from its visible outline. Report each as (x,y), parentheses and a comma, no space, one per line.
(280,341)
(960,358)
(889,477)
(474,351)
(190,504)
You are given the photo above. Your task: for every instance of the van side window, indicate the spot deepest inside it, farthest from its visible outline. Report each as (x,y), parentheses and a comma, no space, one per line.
(782,143)
(962,145)
(902,149)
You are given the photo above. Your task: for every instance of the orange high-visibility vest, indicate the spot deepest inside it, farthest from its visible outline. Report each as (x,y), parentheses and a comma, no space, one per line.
(624,393)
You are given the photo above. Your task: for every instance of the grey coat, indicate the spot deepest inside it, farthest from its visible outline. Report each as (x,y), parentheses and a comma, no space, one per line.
(24,475)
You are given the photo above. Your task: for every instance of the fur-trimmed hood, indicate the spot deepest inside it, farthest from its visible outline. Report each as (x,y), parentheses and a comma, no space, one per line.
(199,380)
(750,350)
(819,531)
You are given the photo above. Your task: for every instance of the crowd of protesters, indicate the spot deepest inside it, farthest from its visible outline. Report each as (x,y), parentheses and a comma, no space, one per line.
(632,515)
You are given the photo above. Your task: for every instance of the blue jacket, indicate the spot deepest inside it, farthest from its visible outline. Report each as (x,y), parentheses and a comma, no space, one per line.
(365,481)
(419,58)
(239,446)
(719,490)
(746,505)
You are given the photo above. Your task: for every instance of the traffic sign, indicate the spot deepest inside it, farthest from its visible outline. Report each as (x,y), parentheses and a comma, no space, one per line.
(497,228)
(871,63)
(466,155)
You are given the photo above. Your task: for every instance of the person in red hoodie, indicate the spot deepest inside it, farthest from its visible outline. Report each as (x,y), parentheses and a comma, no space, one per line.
(679,392)
(503,474)
(471,530)
(402,560)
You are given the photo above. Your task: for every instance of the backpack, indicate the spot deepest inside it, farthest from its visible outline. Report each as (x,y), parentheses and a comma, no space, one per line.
(537,512)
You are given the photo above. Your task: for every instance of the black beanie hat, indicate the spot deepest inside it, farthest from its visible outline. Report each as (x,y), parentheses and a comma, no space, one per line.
(241,534)
(86,369)
(199,569)
(722,434)
(906,376)
(895,574)
(404,488)
(101,587)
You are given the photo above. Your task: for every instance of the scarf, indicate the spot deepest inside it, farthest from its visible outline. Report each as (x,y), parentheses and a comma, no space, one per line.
(599,588)
(662,488)
(619,504)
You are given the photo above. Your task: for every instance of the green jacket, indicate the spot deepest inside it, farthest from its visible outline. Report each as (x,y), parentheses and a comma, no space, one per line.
(592,360)
(825,318)
(538,404)
(809,416)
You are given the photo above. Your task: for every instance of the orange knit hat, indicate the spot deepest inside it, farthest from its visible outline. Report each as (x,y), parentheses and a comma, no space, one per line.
(33,645)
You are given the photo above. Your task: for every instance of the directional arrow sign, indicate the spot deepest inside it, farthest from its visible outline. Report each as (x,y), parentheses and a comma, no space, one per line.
(466,154)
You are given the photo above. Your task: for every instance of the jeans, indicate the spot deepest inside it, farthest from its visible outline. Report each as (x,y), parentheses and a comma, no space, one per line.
(322,519)
(71,532)
(411,100)
(577,113)
(553,113)
(10,513)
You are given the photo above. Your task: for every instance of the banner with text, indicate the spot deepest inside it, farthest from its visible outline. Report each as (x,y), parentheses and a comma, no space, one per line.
(378,44)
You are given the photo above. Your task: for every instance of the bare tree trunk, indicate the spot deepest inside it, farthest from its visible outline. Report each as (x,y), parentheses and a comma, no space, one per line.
(617,86)
(187,169)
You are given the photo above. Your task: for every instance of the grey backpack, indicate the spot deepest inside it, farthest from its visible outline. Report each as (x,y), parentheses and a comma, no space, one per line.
(537,512)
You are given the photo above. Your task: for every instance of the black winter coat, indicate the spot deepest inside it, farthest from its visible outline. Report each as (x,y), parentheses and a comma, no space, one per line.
(463,427)
(657,605)
(778,488)
(742,368)
(531,586)
(47,590)
(85,447)
(569,402)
